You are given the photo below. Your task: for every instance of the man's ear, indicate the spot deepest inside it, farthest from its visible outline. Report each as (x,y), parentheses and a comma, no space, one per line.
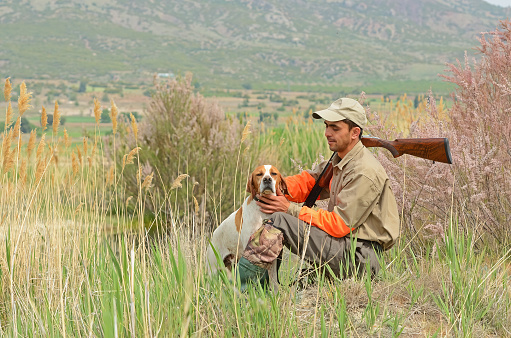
(356,133)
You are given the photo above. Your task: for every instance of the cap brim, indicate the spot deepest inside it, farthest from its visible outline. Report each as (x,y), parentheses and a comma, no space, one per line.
(328,115)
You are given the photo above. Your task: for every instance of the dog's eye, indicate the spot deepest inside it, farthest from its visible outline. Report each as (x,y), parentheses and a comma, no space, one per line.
(274,174)
(260,174)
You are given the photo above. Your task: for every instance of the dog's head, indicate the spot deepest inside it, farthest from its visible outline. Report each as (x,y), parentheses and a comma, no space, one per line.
(266,179)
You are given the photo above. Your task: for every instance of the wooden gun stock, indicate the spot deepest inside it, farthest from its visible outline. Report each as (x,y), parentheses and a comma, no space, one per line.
(435,149)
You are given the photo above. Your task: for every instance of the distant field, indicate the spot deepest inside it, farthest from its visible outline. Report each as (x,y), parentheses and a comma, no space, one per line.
(269,106)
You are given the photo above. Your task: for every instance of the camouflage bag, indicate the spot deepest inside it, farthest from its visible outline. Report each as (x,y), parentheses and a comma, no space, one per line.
(265,245)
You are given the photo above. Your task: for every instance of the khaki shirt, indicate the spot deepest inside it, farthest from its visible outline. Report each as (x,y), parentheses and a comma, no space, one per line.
(361,195)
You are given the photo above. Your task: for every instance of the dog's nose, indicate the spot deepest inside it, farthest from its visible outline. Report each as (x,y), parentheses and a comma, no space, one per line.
(267,179)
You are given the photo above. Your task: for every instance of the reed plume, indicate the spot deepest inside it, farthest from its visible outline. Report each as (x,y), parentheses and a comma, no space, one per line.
(85,148)
(139,175)
(7,89)
(31,143)
(67,141)
(97,111)
(128,200)
(131,155)
(8,116)
(39,170)
(196,204)
(147,181)
(24,99)
(8,162)
(6,149)
(177,182)
(17,128)
(23,172)
(40,147)
(80,156)
(134,126)
(44,118)
(74,163)
(246,132)
(113,116)
(56,118)
(110,176)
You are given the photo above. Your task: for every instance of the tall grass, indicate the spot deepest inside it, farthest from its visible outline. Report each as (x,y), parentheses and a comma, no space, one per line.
(78,258)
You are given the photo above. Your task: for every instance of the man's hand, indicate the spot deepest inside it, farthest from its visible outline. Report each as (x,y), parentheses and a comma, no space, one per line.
(273,204)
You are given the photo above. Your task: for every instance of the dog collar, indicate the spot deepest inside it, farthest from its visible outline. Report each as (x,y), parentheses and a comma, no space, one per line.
(258,200)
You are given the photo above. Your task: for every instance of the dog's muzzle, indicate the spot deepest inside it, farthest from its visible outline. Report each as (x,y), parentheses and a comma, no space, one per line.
(267,185)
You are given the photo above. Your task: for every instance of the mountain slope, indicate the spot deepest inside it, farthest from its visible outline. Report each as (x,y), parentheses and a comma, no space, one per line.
(230,43)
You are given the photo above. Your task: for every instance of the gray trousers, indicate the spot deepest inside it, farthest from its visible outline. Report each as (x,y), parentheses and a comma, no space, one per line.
(343,255)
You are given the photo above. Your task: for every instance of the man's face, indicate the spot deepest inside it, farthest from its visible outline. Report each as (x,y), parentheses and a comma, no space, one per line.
(339,136)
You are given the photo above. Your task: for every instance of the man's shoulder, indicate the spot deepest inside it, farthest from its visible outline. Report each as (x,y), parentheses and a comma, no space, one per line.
(366,164)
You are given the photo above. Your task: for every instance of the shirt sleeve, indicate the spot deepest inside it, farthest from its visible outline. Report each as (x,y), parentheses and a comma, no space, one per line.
(330,222)
(299,186)
(354,203)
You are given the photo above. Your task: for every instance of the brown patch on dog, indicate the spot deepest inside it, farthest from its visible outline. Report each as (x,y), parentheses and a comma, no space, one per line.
(229,261)
(238,219)
(282,184)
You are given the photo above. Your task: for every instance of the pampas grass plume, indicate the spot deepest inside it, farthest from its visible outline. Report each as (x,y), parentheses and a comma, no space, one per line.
(177,182)
(24,99)
(6,145)
(39,171)
(246,132)
(74,163)
(67,140)
(7,90)
(110,176)
(17,128)
(147,181)
(80,156)
(128,200)
(31,143)
(134,126)
(23,172)
(40,147)
(8,115)
(196,204)
(139,175)
(131,155)
(113,116)
(44,118)
(85,148)
(97,111)
(56,118)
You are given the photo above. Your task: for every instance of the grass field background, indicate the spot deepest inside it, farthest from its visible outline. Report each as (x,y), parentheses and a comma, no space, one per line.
(80,257)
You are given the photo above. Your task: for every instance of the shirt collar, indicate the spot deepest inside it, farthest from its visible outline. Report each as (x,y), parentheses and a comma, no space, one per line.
(338,162)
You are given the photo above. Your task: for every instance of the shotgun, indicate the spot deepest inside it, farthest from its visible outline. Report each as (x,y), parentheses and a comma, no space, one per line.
(435,149)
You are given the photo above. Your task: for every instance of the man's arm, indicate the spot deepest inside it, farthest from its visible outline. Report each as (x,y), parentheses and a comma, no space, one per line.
(355,202)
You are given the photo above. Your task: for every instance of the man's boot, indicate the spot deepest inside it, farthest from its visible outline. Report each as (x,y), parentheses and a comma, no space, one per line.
(249,273)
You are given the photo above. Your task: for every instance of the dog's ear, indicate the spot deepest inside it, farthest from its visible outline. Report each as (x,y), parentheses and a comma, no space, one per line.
(250,186)
(283,186)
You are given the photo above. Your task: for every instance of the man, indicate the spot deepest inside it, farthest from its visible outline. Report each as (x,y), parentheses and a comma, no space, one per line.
(362,208)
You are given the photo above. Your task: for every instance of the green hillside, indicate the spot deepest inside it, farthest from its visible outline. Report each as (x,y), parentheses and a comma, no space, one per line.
(378,45)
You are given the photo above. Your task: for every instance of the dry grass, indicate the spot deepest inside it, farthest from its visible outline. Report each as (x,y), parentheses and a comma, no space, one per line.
(80,257)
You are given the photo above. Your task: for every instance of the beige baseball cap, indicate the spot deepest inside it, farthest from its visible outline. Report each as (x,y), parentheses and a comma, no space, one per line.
(344,108)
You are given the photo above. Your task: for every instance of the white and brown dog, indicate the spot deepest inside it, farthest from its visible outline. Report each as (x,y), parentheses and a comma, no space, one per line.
(232,235)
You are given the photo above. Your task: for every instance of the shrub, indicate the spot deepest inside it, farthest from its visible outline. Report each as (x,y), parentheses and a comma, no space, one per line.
(105,116)
(482,130)
(476,189)
(182,133)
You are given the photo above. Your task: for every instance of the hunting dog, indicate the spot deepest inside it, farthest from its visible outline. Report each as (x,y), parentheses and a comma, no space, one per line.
(232,235)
